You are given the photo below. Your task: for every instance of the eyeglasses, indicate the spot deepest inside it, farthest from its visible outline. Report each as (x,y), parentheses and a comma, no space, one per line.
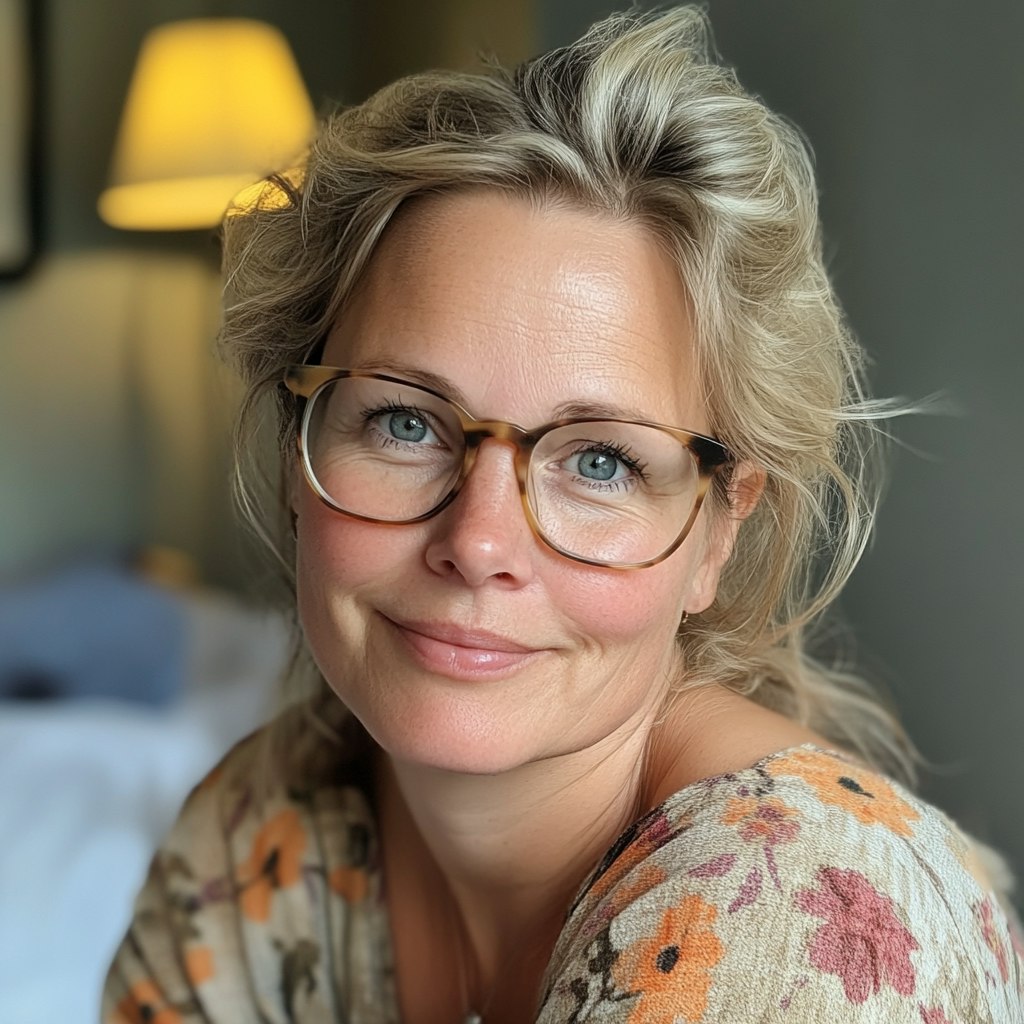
(616,493)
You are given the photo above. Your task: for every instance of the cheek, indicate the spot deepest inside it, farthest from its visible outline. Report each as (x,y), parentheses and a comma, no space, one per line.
(337,556)
(341,566)
(625,608)
(644,606)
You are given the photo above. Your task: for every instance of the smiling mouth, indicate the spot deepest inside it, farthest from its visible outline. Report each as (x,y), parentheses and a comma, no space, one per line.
(458,653)
(469,638)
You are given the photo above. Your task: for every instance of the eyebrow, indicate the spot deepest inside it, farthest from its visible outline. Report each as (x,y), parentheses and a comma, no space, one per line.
(602,410)
(434,381)
(444,386)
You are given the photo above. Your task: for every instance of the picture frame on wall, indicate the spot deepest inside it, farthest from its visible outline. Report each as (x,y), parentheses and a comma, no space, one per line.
(20,135)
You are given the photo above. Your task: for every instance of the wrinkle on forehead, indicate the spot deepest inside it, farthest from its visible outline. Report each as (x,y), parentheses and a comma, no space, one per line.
(415,228)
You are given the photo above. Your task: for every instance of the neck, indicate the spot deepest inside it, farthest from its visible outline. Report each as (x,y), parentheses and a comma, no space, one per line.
(471,833)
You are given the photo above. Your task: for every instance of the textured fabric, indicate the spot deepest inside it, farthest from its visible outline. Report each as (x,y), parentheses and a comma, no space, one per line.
(803,889)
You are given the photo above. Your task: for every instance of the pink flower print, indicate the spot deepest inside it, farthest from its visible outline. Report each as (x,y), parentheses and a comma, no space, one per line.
(862,941)
(749,891)
(933,1016)
(721,865)
(990,933)
(767,821)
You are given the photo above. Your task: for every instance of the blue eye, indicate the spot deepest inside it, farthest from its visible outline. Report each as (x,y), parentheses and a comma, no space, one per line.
(406,425)
(596,465)
(396,425)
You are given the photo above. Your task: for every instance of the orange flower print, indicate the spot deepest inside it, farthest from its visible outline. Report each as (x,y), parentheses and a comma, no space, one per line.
(632,848)
(275,863)
(670,971)
(145,1005)
(864,794)
(199,964)
(351,884)
(640,881)
(990,933)
(768,820)
(862,940)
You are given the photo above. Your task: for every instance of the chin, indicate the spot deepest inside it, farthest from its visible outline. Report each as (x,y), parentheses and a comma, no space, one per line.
(463,758)
(450,739)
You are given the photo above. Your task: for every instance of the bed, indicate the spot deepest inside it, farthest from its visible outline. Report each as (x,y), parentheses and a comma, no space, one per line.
(89,784)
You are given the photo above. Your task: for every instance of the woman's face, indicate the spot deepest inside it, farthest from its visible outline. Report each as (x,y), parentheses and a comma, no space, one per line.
(464,642)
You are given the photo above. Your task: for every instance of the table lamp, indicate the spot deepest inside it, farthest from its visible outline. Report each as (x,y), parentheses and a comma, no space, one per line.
(214,105)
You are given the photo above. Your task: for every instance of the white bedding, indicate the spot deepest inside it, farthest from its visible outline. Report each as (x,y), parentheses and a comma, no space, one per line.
(87,789)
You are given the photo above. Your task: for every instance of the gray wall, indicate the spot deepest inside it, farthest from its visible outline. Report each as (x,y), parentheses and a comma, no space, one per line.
(914,112)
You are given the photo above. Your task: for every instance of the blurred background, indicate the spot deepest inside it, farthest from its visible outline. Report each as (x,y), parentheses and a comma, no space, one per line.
(114,416)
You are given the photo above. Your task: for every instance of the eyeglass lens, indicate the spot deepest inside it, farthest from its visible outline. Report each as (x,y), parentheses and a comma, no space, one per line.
(602,490)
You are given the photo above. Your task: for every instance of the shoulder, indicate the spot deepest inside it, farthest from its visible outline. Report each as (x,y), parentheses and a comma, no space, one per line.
(275,829)
(255,871)
(804,887)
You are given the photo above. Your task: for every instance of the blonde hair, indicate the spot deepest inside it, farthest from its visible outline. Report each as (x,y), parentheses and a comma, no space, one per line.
(638,120)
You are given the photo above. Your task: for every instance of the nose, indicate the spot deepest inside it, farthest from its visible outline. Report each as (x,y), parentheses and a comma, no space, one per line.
(483,536)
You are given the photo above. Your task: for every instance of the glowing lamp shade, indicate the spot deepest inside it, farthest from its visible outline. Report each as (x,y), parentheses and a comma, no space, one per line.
(214,105)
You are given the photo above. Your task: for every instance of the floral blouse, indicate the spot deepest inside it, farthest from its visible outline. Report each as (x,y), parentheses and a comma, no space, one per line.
(803,889)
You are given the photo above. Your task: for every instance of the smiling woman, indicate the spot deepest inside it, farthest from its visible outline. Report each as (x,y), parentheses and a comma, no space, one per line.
(573,449)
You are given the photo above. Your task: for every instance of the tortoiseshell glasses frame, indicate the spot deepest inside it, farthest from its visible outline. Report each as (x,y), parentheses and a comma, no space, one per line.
(306,382)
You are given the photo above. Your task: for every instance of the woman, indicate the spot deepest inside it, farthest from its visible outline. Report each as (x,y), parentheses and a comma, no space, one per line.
(574,451)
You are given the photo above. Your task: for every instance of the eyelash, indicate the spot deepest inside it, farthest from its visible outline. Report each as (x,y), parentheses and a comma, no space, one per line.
(392,406)
(603,447)
(617,452)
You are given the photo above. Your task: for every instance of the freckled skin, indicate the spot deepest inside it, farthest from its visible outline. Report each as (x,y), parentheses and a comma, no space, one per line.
(523,309)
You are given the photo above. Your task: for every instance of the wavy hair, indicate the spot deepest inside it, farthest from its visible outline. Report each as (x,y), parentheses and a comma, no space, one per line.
(638,120)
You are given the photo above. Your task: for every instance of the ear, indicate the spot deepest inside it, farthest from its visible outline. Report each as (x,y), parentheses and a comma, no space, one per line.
(746,484)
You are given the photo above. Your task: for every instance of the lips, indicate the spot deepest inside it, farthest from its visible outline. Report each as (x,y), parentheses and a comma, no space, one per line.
(460,653)
(471,638)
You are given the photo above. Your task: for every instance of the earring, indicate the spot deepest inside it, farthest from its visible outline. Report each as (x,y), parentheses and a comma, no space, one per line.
(686,615)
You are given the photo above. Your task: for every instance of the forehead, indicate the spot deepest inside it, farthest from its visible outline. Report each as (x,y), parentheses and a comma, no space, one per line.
(526,308)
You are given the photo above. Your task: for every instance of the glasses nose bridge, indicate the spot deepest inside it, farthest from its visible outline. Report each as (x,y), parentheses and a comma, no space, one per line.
(478,431)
